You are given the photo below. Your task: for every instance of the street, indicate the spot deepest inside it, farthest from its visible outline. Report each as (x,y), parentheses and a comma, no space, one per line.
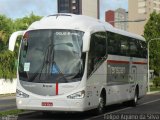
(7,103)
(148,108)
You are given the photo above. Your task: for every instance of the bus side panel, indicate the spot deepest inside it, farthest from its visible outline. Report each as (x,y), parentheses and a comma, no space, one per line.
(118,79)
(95,83)
(140,76)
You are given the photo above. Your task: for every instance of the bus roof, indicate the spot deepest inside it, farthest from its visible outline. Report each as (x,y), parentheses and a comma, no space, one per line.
(77,22)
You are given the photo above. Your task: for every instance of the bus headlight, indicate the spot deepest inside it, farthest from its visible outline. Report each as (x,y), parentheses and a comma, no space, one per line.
(78,95)
(21,94)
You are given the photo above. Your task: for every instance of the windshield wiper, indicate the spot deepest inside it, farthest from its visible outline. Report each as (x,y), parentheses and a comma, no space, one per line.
(48,62)
(53,63)
(40,69)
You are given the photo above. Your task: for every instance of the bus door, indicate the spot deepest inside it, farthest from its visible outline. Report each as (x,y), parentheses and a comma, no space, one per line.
(133,78)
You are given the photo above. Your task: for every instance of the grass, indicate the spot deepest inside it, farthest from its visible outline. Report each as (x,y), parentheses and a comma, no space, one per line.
(11,112)
(153,88)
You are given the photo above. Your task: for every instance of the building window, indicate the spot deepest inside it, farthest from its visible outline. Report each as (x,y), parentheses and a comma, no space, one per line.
(73,7)
(141,10)
(73,1)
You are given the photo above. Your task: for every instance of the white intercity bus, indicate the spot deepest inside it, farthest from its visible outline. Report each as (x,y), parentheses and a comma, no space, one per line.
(75,63)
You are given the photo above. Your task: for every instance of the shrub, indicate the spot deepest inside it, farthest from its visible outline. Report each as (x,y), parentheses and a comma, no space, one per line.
(156,81)
(7,65)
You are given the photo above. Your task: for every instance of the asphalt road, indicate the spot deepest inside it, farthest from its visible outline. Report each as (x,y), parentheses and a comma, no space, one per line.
(7,103)
(148,108)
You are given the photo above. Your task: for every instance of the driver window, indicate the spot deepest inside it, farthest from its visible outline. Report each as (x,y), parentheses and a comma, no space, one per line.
(97,51)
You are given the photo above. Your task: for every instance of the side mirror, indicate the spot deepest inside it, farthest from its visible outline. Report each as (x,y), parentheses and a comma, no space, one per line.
(13,39)
(86,41)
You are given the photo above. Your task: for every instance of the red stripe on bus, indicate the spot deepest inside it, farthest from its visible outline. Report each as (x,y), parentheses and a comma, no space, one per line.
(118,62)
(139,63)
(124,62)
(56,88)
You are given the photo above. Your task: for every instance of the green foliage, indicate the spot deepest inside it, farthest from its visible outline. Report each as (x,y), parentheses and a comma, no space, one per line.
(153,88)
(23,23)
(7,65)
(152,30)
(11,112)
(7,27)
(156,81)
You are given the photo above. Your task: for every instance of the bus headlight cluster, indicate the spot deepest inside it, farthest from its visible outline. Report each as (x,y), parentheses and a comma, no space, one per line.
(78,95)
(21,94)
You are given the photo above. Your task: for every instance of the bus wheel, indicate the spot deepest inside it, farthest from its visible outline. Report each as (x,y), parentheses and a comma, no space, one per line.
(135,100)
(101,106)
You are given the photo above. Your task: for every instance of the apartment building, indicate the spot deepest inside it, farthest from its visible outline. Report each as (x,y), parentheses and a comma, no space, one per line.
(115,18)
(141,9)
(110,17)
(70,6)
(84,7)
(121,15)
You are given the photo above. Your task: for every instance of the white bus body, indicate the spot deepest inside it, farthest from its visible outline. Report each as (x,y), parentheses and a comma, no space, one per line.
(76,63)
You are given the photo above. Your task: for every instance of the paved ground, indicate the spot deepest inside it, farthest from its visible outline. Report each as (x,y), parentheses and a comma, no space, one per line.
(148,109)
(7,103)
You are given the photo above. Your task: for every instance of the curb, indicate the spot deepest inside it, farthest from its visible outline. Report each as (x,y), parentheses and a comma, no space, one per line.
(26,113)
(8,96)
(154,92)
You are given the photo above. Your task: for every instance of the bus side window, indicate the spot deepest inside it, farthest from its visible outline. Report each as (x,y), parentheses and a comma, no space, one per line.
(143,49)
(133,49)
(124,47)
(113,44)
(97,50)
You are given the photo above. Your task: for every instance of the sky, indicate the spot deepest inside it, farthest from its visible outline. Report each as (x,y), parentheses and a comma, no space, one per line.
(111,5)
(20,8)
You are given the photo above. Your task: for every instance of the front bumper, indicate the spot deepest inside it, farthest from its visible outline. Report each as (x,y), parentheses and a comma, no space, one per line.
(59,104)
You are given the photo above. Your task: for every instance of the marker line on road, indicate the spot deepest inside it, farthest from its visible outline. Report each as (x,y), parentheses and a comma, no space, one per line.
(149,102)
(122,109)
(119,110)
(108,113)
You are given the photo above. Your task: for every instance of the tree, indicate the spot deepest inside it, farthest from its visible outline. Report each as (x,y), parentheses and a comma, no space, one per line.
(156,81)
(7,58)
(152,30)
(2,38)
(23,23)
(7,67)
(6,28)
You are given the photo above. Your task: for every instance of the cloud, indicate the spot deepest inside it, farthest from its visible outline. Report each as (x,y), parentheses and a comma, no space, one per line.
(21,8)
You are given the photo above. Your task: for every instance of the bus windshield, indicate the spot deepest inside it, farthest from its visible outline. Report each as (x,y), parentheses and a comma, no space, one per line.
(50,56)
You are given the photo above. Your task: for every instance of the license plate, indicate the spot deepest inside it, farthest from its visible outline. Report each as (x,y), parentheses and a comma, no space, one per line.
(47,104)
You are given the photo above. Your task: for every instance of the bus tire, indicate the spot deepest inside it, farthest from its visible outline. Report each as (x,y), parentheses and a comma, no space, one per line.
(134,102)
(101,105)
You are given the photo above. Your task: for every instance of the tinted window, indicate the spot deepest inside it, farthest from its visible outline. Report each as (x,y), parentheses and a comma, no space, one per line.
(133,48)
(47,56)
(113,44)
(126,46)
(97,51)
(143,49)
